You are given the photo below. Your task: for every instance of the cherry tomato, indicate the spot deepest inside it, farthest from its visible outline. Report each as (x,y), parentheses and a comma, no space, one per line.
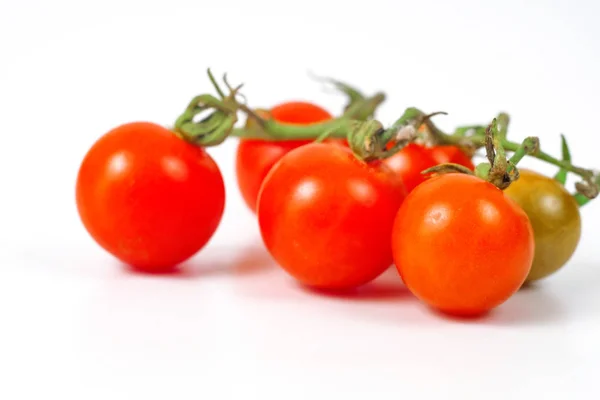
(326,217)
(554,215)
(149,198)
(255,158)
(451,154)
(409,162)
(461,245)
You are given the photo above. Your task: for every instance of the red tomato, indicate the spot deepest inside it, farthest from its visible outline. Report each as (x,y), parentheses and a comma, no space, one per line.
(149,198)
(461,245)
(256,157)
(409,162)
(326,217)
(451,154)
(299,112)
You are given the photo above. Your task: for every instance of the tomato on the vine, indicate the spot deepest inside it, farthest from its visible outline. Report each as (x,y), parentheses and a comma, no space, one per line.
(461,245)
(326,217)
(555,218)
(148,197)
(443,154)
(255,157)
(447,153)
(409,162)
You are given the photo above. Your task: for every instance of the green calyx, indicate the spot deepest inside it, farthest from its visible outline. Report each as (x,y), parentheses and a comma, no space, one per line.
(499,170)
(355,124)
(502,171)
(370,140)
(213,129)
(587,191)
(561,175)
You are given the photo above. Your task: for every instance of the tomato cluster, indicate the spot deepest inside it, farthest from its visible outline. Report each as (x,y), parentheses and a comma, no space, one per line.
(330,219)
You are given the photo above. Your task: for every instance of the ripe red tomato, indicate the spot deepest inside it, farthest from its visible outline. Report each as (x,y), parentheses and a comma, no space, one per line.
(149,198)
(461,245)
(451,154)
(255,158)
(409,162)
(326,217)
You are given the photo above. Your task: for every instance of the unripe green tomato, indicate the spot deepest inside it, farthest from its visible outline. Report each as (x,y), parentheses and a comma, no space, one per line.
(554,216)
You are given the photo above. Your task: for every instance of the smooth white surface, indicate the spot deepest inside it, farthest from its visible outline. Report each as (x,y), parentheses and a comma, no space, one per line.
(76,326)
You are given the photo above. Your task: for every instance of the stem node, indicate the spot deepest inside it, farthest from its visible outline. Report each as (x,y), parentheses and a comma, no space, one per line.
(369,140)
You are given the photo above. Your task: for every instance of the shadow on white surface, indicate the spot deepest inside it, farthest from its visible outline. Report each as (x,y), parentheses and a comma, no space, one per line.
(247,277)
(529,306)
(247,260)
(386,288)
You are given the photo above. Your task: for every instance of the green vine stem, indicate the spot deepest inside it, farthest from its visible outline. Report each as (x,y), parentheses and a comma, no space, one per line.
(469,130)
(340,127)
(355,124)
(367,137)
(588,187)
(561,175)
(500,171)
(353,94)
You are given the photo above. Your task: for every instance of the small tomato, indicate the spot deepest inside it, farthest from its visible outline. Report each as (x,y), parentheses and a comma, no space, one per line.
(255,157)
(148,197)
(326,217)
(461,245)
(408,164)
(451,154)
(554,215)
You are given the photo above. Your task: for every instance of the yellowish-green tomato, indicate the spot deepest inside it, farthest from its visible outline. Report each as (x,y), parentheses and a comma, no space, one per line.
(554,216)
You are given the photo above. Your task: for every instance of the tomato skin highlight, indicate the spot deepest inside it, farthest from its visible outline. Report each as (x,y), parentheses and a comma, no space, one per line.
(451,154)
(326,217)
(299,113)
(461,245)
(255,158)
(555,217)
(409,162)
(149,198)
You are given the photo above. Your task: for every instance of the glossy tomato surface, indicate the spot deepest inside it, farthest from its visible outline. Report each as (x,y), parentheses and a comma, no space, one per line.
(555,217)
(255,158)
(451,154)
(408,164)
(461,245)
(327,217)
(149,198)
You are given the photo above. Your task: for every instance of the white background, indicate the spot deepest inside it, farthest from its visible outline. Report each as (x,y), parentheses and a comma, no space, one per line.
(74,325)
